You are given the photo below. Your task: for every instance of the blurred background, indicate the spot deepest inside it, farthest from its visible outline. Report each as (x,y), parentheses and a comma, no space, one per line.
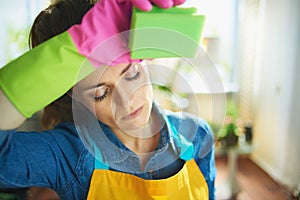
(255,45)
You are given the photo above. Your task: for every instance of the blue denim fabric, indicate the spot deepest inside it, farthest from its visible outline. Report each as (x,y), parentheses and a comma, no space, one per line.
(59,160)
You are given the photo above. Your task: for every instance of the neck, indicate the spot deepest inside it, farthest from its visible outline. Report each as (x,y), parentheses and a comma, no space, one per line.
(138,145)
(142,147)
(142,141)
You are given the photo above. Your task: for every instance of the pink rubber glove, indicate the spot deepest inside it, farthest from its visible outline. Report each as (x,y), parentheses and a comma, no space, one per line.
(98,36)
(146,5)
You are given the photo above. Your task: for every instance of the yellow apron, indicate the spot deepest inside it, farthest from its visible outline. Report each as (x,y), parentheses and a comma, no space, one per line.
(188,183)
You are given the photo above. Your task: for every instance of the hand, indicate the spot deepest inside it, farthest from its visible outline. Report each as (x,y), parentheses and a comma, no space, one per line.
(99,36)
(146,5)
(106,20)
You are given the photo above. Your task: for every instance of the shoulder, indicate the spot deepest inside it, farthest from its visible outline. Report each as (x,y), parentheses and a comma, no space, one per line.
(187,124)
(63,135)
(194,129)
(50,145)
(62,143)
(35,139)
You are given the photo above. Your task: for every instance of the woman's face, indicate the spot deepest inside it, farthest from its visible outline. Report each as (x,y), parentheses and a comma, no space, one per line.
(120,96)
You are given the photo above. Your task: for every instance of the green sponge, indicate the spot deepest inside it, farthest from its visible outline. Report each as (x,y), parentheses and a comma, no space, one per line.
(161,33)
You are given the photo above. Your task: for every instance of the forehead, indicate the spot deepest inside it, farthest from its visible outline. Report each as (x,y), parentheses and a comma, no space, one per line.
(102,75)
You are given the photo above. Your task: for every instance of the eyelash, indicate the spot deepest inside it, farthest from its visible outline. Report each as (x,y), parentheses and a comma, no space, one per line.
(134,78)
(107,91)
(101,98)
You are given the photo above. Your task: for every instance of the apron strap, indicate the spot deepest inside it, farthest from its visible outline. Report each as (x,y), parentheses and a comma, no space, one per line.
(186,147)
(99,163)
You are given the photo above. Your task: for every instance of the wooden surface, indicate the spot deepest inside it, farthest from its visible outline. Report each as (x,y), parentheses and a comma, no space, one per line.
(254,183)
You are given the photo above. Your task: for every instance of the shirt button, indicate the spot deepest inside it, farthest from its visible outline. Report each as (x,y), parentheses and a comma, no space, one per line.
(178,149)
(150,171)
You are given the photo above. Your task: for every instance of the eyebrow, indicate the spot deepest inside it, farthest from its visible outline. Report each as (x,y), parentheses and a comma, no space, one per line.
(101,84)
(125,69)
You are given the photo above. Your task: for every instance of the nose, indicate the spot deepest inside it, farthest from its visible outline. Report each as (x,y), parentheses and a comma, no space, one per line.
(123,98)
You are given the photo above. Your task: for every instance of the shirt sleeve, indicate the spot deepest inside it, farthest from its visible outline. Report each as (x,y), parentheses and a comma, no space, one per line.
(45,159)
(204,155)
(54,158)
(26,159)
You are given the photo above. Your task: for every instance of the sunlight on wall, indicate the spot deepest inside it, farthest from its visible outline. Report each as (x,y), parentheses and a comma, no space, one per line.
(219,33)
(275,110)
(19,16)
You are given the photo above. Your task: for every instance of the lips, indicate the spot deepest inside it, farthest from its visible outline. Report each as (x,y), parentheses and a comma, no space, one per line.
(134,114)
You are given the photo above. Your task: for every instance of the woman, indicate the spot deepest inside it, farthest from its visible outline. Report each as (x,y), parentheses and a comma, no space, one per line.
(106,138)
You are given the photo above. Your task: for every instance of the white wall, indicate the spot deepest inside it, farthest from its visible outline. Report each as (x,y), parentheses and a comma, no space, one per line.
(16,15)
(276,99)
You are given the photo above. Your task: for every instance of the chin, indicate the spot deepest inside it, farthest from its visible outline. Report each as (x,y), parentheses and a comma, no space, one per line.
(139,122)
(134,124)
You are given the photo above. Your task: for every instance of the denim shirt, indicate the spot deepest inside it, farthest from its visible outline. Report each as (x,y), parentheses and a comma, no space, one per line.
(60,160)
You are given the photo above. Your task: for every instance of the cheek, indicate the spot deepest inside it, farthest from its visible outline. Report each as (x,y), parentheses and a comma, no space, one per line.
(103,112)
(145,93)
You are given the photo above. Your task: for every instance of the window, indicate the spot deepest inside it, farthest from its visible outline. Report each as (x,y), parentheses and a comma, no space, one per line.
(220,36)
(18,17)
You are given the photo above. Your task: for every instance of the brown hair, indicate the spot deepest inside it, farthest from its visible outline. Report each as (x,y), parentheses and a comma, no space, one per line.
(55,19)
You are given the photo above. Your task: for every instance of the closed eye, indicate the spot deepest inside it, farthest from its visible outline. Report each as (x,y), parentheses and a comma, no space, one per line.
(132,73)
(101,93)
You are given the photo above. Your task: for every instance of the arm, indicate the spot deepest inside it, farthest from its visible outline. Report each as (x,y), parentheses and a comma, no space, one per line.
(43,74)
(10,117)
(48,71)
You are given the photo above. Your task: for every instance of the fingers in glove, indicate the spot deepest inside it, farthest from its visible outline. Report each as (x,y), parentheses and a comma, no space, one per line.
(163,3)
(178,2)
(144,5)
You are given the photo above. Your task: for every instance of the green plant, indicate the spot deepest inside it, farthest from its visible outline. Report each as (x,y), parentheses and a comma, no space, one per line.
(229,132)
(16,41)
